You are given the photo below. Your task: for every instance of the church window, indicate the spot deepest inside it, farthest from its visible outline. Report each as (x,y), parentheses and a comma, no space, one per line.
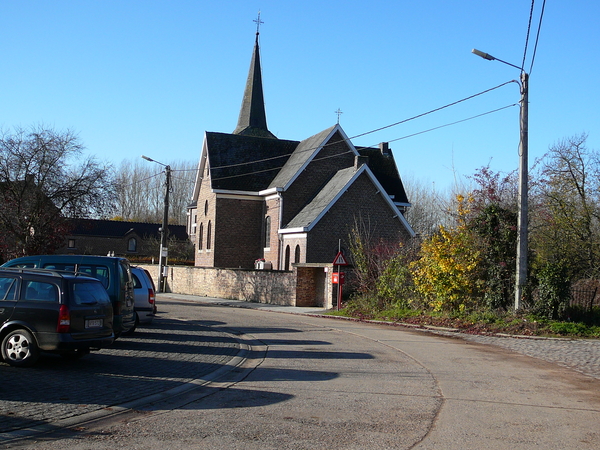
(287,258)
(206,207)
(297,254)
(201,237)
(267,242)
(208,235)
(132,245)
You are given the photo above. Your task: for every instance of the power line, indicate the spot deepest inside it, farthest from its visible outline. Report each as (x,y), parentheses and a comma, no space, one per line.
(528,31)
(454,123)
(435,110)
(144,179)
(537,37)
(372,131)
(392,140)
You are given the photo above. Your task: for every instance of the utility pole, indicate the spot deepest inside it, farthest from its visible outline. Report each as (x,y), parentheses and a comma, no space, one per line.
(164,230)
(522,224)
(523,216)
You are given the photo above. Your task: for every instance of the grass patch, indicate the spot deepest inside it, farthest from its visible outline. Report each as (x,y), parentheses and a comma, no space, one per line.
(474,322)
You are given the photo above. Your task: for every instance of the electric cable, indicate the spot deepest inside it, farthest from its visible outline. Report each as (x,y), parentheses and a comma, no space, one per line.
(377,129)
(527,36)
(537,37)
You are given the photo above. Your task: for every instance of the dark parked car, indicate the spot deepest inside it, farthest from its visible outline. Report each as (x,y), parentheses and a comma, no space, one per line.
(113,272)
(144,293)
(52,311)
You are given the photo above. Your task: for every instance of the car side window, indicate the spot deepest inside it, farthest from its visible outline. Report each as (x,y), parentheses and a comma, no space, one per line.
(99,272)
(39,291)
(8,287)
(137,284)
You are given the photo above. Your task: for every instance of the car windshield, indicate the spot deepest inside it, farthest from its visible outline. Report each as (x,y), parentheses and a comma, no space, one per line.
(86,293)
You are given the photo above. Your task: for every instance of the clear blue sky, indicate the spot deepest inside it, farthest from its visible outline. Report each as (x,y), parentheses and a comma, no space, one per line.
(151,76)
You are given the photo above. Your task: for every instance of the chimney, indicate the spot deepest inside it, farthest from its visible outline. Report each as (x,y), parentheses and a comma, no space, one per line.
(360,160)
(384,147)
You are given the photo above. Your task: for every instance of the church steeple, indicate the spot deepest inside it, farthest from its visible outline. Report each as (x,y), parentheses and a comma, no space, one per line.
(253,119)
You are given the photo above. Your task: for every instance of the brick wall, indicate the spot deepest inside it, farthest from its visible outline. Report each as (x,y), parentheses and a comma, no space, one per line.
(272,206)
(337,224)
(304,286)
(205,215)
(238,239)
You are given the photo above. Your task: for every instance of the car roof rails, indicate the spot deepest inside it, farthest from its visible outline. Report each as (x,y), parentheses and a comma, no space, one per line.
(37,271)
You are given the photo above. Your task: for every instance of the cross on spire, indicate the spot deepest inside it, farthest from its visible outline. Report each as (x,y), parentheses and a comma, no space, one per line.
(258,22)
(339,113)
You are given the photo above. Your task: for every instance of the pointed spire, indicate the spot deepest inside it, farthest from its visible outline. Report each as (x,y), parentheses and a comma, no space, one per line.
(253,119)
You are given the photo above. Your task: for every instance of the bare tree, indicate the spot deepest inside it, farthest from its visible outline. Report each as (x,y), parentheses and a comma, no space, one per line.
(429,207)
(568,225)
(141,191)
(44,179)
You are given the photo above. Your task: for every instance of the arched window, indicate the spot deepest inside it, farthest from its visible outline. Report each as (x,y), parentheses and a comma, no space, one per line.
(287,258)
(297,254)
(206,207)
(132,245)
(208,235)
(267,232)
(201,237)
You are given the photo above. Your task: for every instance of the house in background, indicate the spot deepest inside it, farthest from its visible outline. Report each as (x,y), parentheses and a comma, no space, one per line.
(133,240)
(257,197)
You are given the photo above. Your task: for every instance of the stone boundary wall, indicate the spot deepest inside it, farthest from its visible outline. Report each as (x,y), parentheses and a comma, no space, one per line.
(259,286)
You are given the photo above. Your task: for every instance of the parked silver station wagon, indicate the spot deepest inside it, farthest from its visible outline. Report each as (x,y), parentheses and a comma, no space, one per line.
(52,311)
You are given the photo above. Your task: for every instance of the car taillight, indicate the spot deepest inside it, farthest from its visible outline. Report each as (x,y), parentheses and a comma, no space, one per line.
(64,320)
(151,296)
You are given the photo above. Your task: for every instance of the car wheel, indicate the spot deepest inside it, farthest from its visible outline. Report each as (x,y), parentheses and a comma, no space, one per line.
(19,348)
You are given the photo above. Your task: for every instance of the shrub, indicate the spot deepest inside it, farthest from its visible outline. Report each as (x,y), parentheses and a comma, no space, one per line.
(554,290)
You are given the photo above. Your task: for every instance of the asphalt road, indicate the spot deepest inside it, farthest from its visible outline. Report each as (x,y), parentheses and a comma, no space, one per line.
(300,382)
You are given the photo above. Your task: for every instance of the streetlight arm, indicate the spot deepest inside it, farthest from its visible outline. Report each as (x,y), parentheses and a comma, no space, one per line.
(153,160)
(491,58)
(476,52)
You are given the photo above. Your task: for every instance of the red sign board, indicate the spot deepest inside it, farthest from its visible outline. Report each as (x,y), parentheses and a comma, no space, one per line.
(340,260)
(338,277)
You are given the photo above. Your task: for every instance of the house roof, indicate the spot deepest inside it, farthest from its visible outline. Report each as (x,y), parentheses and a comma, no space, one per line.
(114,228)
(309,216)
(245,163)
(384,168)
(324,199)
(302,155)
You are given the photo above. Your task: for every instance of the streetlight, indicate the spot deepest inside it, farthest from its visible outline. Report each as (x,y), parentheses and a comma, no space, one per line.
(522,239)
(164,230)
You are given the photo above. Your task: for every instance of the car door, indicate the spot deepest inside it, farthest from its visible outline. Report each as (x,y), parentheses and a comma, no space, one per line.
(8,290)
(38,304)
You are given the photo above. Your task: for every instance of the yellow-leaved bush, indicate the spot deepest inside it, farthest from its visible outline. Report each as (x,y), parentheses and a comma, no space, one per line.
(447,272)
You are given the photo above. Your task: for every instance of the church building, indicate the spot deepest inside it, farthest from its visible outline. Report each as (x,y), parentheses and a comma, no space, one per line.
(261,201)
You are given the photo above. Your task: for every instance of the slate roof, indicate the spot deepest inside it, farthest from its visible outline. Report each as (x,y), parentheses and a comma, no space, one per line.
(303,153)
(385,170)
(332,190)
(245,163)
(118,229)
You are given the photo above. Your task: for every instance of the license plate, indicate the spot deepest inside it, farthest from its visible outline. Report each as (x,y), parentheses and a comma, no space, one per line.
(93,323)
